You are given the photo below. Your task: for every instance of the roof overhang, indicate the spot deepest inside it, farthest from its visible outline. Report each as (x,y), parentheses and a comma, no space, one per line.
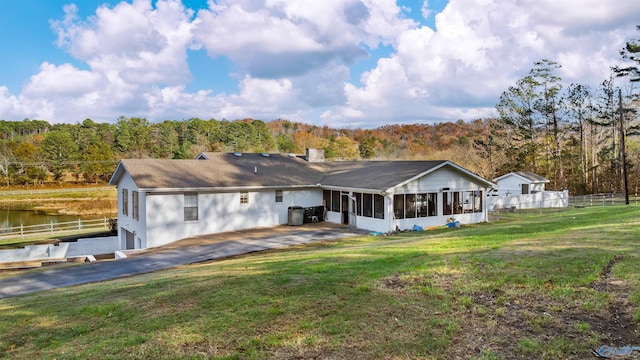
(478,178)
(151,191)
(352,189)
(117,174)
(544,181)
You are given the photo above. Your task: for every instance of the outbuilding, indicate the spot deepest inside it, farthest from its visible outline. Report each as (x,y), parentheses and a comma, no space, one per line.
(520,183)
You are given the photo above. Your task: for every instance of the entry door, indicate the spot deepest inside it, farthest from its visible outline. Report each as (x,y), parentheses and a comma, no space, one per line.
(345,209)
(130,238)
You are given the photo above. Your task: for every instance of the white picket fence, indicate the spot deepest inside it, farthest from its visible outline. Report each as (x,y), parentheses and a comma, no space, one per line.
(55,228)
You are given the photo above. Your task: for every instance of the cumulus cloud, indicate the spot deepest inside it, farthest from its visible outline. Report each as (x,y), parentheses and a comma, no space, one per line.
(11,107)
(482,47)
(63,80)
(296,59)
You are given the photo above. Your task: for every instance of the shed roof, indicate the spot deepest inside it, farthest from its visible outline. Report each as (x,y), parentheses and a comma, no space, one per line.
(526,175)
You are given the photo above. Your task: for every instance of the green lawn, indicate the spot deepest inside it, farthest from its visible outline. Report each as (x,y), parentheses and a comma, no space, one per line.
(552,285)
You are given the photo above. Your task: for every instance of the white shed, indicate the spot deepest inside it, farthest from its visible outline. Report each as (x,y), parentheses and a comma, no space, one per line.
(520,183)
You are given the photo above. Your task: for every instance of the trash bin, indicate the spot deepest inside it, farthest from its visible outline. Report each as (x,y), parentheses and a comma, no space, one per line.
(296,215)
(319,213)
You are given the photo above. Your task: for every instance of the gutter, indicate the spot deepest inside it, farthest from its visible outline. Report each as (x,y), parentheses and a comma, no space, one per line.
(152,191)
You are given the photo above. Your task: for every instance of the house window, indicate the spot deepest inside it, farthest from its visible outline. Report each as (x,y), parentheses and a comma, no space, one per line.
(398,206)
(410,206)
(477,201)
(432,203)
(190,207)
(452,202)
(244,197)
(407,206)
(125,202)
(378,206)
(422,205)
(335,201)
(525,189)
(358,197)
(447,208)
(134,206)
(367,205)
(326,198)
(278,196)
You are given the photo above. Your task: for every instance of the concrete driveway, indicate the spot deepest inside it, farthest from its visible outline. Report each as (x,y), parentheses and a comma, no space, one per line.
(192,250)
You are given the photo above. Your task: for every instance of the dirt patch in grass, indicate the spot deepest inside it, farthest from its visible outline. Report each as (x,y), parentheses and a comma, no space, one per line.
(394,283)
(618,328)
(525,322)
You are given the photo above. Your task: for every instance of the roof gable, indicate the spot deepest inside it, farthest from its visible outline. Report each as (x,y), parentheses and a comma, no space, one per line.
(374,175)
(525,175)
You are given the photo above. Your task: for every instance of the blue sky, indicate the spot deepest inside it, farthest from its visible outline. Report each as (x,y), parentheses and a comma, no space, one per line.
(351,63)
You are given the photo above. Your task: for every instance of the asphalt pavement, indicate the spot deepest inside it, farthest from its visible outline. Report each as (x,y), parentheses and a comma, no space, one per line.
(189,251)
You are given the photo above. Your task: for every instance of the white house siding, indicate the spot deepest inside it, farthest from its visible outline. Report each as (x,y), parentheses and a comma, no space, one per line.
(513,185)
(307,198)
(220,212)
(126,223)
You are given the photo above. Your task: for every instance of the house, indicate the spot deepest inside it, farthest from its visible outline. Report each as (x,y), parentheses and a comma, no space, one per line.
(520,183)
(161,201)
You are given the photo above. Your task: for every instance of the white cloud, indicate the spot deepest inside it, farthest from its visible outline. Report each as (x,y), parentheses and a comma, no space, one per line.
(62,81)
(480,48)
(142,44)
(425,10)
(292,59)
(11,107)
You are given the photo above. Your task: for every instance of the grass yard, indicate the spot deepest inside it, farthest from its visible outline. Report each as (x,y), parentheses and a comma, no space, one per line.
(73,201)
(544,286)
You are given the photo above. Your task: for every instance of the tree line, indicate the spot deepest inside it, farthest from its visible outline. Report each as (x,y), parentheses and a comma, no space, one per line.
(35,151)
(572,136)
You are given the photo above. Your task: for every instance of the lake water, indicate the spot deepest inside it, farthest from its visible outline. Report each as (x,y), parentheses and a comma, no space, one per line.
(15,218)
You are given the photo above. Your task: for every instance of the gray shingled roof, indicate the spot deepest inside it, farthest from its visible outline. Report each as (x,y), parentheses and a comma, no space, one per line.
(222,170)
(225,170)
(374,175)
